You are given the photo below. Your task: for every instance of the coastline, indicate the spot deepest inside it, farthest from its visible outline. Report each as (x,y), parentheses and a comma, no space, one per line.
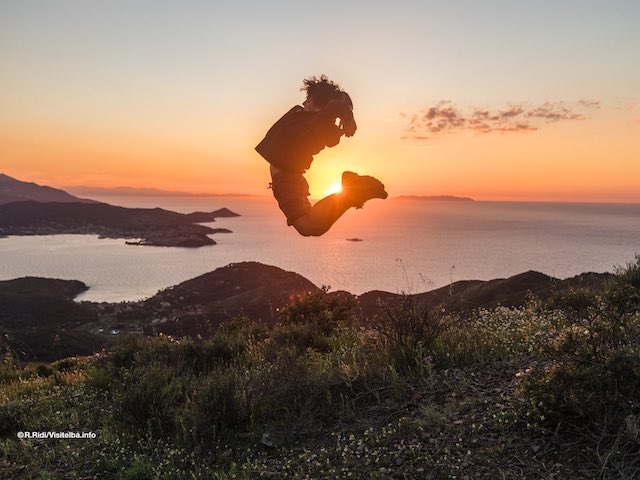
(153,226)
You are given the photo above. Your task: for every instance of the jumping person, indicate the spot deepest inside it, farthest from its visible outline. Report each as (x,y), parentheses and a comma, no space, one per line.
(290,145)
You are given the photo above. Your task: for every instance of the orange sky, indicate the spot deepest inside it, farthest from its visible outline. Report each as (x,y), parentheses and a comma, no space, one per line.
(96,97)
(589,160)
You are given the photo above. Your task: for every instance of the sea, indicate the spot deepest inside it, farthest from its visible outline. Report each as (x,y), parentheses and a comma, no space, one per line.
(396,245)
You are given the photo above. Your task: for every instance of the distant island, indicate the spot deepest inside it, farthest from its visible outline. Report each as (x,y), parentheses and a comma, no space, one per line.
(32,209)
(144,192)
(435,198)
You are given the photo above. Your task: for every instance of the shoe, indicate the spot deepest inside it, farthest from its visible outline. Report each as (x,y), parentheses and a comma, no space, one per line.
(360,188)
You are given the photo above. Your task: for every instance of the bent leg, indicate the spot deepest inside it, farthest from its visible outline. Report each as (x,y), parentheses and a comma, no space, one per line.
(291,191)
(322,215)
(357,190)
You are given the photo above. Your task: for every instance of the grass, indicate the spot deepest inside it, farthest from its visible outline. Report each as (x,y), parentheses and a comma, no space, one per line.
(549,390)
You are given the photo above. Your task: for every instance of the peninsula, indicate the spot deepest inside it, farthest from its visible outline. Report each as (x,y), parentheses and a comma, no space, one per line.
(27,208)
(143,226)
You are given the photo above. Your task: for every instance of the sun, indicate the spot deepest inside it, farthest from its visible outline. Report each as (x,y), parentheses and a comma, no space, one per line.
(334,188)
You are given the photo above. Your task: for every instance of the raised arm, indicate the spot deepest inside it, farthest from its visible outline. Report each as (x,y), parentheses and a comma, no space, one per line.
(341,108)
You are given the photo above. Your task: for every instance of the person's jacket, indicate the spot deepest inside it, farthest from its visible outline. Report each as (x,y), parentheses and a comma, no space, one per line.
(292,141)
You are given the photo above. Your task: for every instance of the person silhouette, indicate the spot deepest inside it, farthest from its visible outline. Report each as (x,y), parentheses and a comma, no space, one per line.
(289,147)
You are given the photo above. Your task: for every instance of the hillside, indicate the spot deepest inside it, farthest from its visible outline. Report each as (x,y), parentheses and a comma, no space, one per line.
(14,190)
(508,292)
(547,390)
(198,306)
(39,319)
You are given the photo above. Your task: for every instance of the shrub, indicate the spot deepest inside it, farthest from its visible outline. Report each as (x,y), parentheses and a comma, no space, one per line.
(622,294)
(8,370)
(217,404)
(326,312)
(44,371)
(493,334)
(222,349)
(575,392)
(409,329)
(298,337)
(301,390)
(101,377)
(151,397)
(66,365)
(12,419)
(243,326)
(592,372)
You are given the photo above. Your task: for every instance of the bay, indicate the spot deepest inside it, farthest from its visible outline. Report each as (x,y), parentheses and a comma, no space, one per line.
(407,245)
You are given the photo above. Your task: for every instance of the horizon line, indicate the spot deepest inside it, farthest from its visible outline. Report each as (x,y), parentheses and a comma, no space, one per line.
(449,198)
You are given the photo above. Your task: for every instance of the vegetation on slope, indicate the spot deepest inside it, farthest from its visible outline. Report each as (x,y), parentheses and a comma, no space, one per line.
(549,390)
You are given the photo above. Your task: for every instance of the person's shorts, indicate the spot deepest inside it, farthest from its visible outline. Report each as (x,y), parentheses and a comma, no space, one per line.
(291,191)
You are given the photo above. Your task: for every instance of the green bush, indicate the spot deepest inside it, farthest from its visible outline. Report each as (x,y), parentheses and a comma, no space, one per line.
(576,392)
(12,419)
(592,369)
(8,370)
(297,336)
(66,365)
(101,377)
(44,371)
(217,404)
(151,397)
(326,312)
(243,326)
(222,349)
(409,330)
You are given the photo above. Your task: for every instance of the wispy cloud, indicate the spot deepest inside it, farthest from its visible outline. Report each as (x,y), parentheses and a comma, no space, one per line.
(446,117)
(590,103)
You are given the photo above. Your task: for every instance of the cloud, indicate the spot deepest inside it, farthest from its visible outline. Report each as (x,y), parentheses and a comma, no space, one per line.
(593,103)
(439,118)
(554,112)
(446,117)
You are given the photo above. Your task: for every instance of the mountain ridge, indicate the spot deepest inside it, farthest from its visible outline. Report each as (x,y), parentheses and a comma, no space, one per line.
(14,190)
(146,192)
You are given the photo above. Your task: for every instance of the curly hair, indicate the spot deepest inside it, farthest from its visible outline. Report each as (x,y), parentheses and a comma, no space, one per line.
(321,89)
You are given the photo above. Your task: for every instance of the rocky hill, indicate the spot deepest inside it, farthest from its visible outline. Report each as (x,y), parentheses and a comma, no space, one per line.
(39,319)
(199,305)
(30,209)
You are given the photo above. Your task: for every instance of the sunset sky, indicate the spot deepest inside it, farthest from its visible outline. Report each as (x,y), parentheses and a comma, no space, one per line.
(501,100)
